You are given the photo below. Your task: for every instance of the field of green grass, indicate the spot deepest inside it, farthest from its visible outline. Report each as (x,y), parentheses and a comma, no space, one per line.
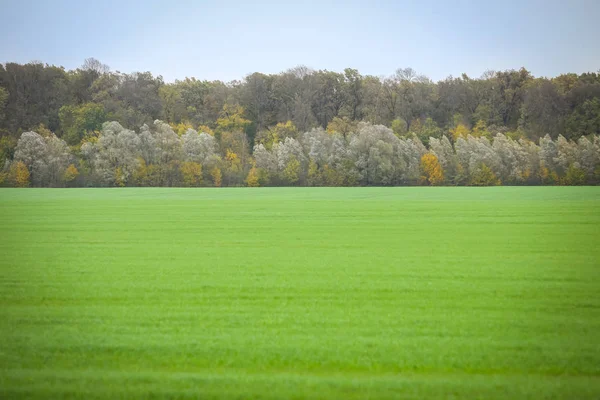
(293,293)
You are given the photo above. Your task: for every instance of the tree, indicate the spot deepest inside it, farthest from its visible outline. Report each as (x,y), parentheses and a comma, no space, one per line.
(232,120)
(77,121)
(589,156)
(516,164)
(46,158)
(313,177)
(252,180)
(484,176)
(426,130)
(472,154)
(543,109)
(174,110)
(19,174)
(399,127)
(585,119)
(291,160)
(510,87)
(442,149)
(493,126)
(7,149)
(266,160)
(276,133)
(191,173)
(373,151)
(328,96)
(181,128)
(344,126)
(70,174)
(198,147)
(480,129)
(432,170)
(257,96)
(574,176)
(130,99)
(3,101)
(459,131)
(354,93)
(35,94)
(233,168)
(114,157)
(291,172)
(91,64)
(215,174)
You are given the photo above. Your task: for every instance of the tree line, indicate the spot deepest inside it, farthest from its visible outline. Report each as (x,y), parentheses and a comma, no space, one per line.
(367,155)
(94,127)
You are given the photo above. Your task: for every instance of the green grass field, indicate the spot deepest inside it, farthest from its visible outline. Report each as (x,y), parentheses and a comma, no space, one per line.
(335,293)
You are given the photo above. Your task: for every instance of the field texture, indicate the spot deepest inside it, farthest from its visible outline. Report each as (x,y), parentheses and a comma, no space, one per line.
(340,293)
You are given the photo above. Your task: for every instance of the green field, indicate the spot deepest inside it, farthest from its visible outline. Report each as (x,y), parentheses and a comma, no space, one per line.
(340,293)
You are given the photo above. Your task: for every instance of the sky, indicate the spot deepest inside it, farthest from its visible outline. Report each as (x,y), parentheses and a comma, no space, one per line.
(228,40)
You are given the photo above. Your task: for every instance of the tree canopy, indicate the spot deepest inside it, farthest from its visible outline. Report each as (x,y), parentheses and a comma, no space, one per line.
(93,126)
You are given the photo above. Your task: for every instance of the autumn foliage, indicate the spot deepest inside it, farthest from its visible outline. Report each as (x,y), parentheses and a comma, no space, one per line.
(70,174)
(19,174)
(252,180)
(191,173)
(432,170)
(216,176)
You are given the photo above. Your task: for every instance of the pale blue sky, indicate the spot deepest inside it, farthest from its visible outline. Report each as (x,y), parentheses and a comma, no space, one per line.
(228,39)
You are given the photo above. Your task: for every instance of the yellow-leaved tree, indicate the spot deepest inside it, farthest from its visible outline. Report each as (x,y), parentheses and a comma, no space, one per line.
(292,171)
(216,176)
(484,176)
(19,174)
(268,137)
(232,119)
(205,129)
(233,161)
(181,127)
(460,131)
(252,178)
(191,173)
(433,173)
(70,174)
(119,177)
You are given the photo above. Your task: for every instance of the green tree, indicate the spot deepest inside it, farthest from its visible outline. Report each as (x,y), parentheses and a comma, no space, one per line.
(574,176)
(400,127)
(8,145)
(77,121)
(3,101)
(174,110)
(585,119)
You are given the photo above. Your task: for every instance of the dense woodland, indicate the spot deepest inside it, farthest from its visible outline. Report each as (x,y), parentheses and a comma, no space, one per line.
(95,127)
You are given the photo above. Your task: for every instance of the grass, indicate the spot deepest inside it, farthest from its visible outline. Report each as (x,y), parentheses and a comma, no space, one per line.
(277,293)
